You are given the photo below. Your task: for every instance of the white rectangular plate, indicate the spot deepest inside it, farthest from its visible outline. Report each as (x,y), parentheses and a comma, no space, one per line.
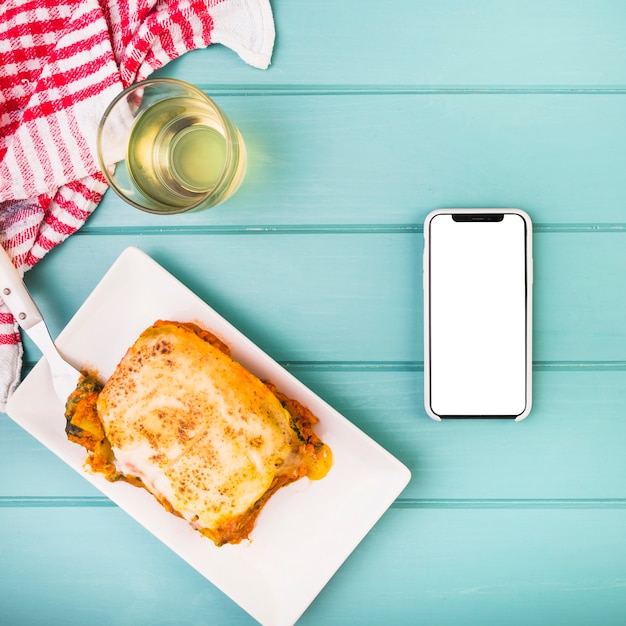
(325,519)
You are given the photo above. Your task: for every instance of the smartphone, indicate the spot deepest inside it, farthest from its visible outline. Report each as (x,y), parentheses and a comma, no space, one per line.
(478,313)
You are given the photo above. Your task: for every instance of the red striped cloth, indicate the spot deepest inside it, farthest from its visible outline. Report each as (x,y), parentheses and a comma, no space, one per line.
(61,63)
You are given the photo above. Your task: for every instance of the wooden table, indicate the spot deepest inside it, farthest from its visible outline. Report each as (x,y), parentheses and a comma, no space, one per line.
(372,115)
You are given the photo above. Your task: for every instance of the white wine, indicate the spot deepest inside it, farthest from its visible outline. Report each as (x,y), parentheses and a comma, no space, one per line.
(165,147)
(178,153)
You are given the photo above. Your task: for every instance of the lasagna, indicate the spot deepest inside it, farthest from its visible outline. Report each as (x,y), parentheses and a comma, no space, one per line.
(208,439)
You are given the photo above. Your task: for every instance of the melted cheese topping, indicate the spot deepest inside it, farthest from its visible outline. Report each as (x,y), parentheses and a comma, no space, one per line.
(206,437)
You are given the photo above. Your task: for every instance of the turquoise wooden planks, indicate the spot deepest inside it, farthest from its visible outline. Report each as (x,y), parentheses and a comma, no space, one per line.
(482,567)
(62,568)
(449,567)
(450,42)
(351,296)
(568,452)
(374,159)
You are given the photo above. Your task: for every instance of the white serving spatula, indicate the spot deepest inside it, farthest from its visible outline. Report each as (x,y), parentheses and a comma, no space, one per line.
(20,303)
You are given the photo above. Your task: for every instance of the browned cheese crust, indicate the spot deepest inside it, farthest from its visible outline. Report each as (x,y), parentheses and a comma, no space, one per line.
(180,418)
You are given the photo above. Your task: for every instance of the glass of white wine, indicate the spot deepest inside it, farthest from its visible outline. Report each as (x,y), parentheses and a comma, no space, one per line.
(165,147)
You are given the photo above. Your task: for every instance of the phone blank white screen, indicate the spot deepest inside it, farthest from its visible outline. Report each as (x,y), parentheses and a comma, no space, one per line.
(478,316)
